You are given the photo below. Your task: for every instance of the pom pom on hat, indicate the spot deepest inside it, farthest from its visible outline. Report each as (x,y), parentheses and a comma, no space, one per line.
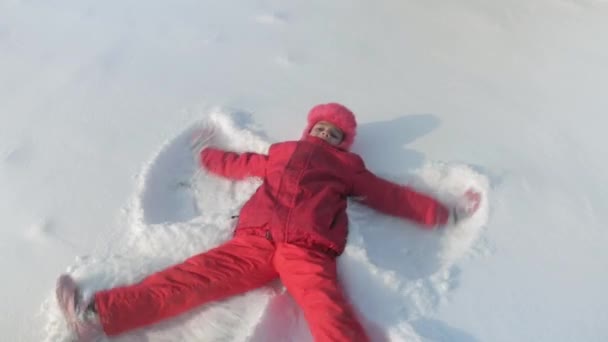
(338,115)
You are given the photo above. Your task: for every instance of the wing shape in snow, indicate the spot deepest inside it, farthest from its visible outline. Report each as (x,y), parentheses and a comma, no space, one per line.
(394,273)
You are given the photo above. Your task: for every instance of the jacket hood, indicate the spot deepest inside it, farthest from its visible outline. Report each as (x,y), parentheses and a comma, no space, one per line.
(338,115)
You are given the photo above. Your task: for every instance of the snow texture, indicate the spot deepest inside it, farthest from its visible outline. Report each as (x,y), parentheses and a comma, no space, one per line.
(98,100)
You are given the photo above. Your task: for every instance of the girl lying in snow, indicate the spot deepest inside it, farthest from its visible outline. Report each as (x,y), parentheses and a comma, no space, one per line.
(292,228)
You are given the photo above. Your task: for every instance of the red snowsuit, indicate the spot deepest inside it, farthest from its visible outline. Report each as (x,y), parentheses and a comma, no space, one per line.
(293,227)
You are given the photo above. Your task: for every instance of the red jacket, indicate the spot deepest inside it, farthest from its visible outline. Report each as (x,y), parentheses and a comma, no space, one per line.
(303,197)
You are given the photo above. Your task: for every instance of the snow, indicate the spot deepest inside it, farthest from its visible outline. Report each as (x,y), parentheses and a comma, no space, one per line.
(98,100)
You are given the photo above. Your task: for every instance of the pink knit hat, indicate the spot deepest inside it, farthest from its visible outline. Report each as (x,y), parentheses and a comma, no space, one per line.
(337,115)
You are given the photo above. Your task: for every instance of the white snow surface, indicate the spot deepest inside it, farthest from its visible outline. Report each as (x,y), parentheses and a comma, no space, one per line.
(98,101)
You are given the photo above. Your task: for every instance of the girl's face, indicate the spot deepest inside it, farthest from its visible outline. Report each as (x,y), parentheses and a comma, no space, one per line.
(327,132)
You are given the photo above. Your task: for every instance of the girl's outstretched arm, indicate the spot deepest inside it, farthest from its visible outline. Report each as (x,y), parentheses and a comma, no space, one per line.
(233,165)
(397,200)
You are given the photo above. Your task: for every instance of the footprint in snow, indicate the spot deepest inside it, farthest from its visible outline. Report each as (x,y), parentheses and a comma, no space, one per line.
(272,18)
(18,154)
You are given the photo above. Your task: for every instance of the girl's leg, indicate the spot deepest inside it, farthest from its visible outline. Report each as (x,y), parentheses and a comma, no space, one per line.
(311,278)
(242,264)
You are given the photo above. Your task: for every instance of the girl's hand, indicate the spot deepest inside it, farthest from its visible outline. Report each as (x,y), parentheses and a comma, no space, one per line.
(200,140)
(465,207)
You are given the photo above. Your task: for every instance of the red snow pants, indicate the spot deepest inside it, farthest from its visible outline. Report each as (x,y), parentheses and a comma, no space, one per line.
(244,263)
